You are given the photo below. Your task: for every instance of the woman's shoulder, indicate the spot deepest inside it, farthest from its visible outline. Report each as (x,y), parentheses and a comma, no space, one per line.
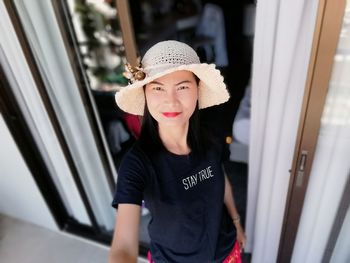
(134,158)
(215,141)
(137,158)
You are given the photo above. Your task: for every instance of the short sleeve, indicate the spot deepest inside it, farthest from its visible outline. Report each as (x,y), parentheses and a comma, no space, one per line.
(131,180)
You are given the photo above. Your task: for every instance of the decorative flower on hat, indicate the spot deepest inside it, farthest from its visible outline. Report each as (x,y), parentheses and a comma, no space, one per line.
(134,73)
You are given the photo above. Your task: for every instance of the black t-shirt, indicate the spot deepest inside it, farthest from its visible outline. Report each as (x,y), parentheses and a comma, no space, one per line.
(185,196)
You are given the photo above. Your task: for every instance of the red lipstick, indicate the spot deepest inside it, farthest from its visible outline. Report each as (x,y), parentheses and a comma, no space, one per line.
(171,114)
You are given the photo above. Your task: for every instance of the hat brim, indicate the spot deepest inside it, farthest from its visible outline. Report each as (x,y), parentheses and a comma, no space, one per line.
(212,89)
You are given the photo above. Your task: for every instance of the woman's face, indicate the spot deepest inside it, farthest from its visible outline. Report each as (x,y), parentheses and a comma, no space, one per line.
(172,99)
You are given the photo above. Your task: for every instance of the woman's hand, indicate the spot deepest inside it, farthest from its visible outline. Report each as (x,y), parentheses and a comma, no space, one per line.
(231,207)
(241,238)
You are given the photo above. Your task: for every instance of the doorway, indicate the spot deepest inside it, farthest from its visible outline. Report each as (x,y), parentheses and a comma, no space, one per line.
(77,65)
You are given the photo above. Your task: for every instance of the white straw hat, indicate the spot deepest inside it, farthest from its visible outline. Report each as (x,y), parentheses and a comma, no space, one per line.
(166,57)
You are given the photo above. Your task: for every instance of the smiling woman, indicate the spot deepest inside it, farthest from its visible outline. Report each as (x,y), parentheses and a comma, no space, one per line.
(175,167)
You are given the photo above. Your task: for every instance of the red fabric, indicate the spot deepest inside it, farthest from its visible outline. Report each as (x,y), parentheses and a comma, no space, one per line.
(133,123)
(233,257)
(149,257)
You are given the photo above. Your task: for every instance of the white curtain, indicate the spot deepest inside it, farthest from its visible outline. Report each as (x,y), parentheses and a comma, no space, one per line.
(282,45)
(331,165)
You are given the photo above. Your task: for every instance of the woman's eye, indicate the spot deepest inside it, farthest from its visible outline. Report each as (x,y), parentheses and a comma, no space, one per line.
(157,88)
(182,87)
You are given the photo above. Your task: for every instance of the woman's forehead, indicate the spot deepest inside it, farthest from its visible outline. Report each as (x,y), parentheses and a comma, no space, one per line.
(179,75)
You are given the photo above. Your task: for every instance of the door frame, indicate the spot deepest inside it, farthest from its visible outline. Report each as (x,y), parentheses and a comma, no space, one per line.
(35,161)
(328,26)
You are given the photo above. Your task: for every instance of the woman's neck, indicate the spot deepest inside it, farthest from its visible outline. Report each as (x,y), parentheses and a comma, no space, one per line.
(175,139)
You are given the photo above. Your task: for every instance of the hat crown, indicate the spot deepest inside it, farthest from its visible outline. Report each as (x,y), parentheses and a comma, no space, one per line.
(169,53)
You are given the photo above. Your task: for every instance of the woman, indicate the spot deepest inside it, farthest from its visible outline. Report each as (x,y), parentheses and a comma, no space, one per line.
(175,166)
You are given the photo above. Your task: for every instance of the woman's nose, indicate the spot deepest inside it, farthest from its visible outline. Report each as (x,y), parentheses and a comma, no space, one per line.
(171,96)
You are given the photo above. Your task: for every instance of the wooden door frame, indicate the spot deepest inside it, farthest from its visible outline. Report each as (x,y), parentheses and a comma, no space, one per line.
(127,28)
(328,25)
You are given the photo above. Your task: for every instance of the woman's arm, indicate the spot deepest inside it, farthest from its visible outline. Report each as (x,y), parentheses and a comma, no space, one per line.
(125,244)
(231,207)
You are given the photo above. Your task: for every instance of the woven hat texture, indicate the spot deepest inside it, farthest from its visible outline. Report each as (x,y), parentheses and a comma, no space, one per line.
(166,57)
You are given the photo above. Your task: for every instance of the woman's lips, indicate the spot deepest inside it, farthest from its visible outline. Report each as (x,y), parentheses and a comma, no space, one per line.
(171,114)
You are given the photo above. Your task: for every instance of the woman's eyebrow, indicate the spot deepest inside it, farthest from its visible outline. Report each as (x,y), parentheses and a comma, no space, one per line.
(182,82)
(156,83)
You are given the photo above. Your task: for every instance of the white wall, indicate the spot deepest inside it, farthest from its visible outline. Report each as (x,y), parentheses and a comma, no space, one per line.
(19,194)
